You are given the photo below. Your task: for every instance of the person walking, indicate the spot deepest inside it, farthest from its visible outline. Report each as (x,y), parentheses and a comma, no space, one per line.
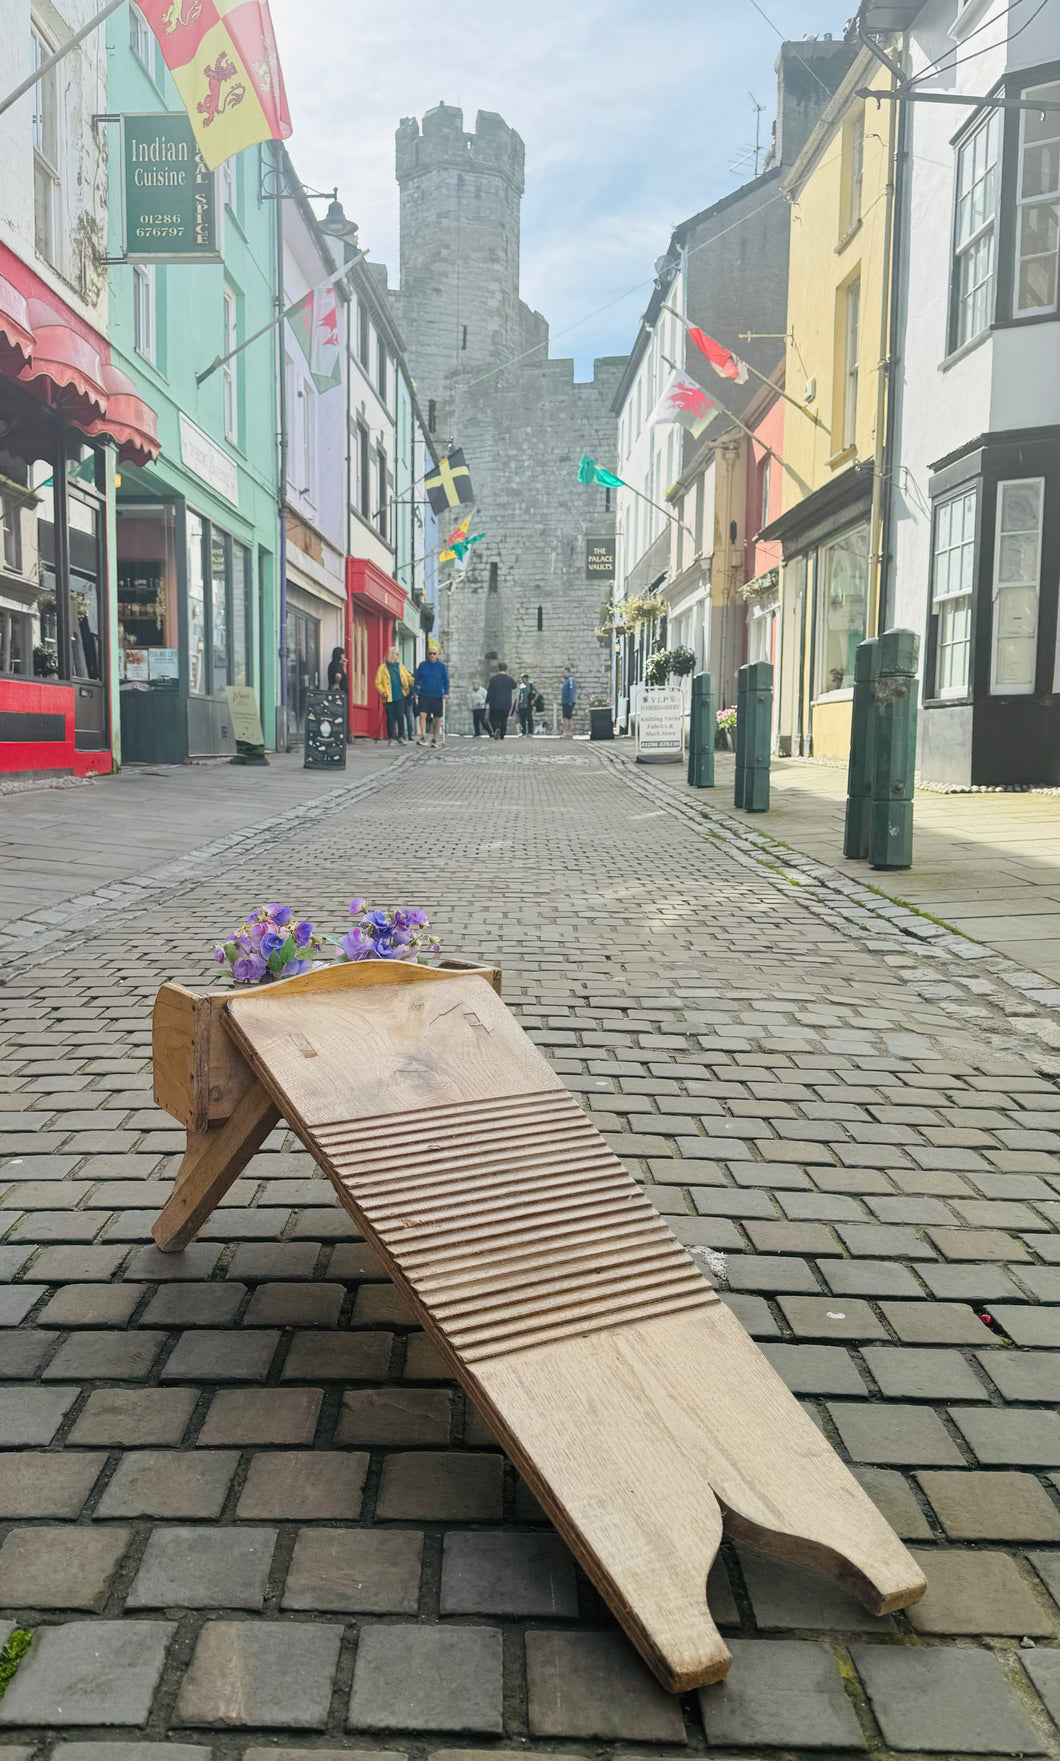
(477,701)
(394,682)
(432,689)
(499,694)
(568,703)
(525,704)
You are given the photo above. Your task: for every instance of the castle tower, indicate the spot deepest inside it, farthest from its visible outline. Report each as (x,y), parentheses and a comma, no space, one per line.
(479,356)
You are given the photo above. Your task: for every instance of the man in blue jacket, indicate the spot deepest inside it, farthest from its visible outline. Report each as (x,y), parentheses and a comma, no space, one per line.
(568,701)
(432,689)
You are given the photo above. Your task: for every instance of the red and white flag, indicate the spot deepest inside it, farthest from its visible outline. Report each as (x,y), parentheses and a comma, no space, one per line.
(721,359)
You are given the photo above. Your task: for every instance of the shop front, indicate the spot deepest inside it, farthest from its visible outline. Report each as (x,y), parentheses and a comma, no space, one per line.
(316,616)
(375,603)
(61,403)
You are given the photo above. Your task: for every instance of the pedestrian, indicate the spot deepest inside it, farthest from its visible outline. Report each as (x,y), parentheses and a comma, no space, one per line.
(568,702)
(477,700)
(410,713)
(499,693)
(394,682)
(525,704)
(338,679)
(432,689)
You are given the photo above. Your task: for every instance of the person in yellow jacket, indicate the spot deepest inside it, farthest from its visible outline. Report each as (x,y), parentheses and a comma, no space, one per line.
(394,682)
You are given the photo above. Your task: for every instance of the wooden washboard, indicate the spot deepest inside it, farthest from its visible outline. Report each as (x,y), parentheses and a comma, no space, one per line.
(637,1408)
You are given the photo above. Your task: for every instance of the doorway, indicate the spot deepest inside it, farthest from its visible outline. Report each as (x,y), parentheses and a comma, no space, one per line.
(303,667)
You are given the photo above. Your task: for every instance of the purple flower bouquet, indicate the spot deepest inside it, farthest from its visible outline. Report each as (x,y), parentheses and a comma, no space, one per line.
(271,945)
(379,935)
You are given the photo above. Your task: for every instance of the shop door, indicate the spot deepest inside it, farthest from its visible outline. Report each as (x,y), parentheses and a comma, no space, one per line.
(87,656)
(303,667)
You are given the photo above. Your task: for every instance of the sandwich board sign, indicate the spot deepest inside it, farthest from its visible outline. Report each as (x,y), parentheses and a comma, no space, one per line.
(661,727)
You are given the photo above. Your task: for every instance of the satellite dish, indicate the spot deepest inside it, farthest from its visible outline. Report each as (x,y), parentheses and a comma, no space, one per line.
(661,265)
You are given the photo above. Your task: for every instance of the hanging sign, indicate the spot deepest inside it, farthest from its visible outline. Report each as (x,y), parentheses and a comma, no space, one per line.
(660,727)
(599,559)
(170,202)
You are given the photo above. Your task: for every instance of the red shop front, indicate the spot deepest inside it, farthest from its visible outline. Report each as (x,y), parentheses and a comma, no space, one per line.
(374,600)
(61,399)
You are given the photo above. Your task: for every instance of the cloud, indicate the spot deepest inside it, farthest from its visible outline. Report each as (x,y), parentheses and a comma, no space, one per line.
(632,116)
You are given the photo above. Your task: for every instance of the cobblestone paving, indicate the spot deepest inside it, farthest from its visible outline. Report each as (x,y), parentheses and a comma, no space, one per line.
(241,1504)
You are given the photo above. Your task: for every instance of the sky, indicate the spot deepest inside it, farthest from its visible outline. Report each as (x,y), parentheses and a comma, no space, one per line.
(634,114)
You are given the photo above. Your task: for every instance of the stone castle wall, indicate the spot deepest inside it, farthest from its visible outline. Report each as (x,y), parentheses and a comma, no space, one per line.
(521,419)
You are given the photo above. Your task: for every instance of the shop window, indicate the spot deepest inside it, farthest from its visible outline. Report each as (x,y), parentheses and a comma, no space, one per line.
(45,153)
(1038,206)
(147,595)
(219,610)
(359,661)
(952,578)
(842,577)
(242,617)
(86,619)
(197,680)
(1017,575)
(144,310)
(975,225)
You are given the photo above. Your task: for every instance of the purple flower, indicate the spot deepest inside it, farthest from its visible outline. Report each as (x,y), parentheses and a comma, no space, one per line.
(354,945)
(248,970)
(379,919)
(303,933)
(220,956)
(294,967)
(357,906)
(271,943)
(419,918)
(280,914)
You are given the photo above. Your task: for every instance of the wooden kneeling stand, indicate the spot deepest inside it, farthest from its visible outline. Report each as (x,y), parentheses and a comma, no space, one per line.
(631,1400)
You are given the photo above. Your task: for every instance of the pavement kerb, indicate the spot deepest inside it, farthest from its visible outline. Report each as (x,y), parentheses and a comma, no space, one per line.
(1027,998)
(30,941)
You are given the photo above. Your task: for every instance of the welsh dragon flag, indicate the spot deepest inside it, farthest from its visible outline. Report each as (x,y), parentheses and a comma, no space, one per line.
(315,322)
(222,55)
(684,402)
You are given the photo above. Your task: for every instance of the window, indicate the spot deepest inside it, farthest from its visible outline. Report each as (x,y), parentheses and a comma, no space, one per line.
(364,334)
(540,617)
(45,153)
(147,593)
(230,370)
(952,575)
(219,609)
(853,171)
(141,40)
(851,298)
(226,178)
(842,571)
(607,501)
(11,525)
(1017,572)
(432,415)
(144,309)
(493,586)
(196,609)
(1038,206)
(977,180)
(242,617)
(364,488)
(381,491)
(307,440)
(382,380)
(765,481)
(463,338)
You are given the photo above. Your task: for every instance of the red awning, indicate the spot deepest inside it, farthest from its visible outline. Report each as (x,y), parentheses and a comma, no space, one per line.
(129,422)
(16,337)
(365,580)
(70,365)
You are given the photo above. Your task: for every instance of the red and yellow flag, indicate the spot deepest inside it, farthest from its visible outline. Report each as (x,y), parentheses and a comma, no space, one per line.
(222,55)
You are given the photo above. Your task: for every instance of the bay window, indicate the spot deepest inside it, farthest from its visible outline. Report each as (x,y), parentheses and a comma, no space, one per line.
(1017,576)
(952,577)
(1038,206)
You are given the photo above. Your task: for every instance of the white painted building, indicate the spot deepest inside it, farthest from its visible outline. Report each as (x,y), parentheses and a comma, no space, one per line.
(975,482)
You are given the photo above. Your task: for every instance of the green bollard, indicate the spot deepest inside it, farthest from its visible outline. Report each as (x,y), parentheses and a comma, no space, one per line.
(758,717)
(894,751)
(859,769)
(701,734)
(739,784)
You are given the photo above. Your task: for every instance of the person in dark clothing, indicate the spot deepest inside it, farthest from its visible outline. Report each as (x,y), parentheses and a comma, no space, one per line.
(499,693)
(337,676)
(525,704)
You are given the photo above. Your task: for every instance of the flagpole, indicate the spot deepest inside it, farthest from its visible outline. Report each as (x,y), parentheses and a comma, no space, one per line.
(53,60)
(764,377)
(663,509)
(748,431)
(281,318)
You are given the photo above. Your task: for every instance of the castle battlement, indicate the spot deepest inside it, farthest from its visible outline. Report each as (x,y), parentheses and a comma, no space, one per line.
(440,143)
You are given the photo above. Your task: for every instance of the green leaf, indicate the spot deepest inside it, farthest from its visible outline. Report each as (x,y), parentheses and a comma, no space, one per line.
(19,1642)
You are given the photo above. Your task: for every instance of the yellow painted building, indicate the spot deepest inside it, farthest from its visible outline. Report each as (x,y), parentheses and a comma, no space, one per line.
(840,189)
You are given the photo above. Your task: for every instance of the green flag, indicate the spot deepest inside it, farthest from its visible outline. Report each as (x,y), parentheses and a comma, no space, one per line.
(590,472)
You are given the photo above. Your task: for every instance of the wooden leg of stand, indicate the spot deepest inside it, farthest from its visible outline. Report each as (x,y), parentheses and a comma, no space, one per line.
(212,1160)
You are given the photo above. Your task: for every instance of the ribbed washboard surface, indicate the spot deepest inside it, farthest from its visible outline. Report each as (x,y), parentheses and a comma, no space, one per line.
(512,1220)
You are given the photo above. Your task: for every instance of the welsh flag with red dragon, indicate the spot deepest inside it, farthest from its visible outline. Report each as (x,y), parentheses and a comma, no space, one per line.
(222,55)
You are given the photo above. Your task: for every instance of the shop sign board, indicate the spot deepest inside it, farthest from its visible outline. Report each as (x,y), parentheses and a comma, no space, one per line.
(246,725)
(170,199)
(660,727)
(325,730)
(599,559)
(209,461)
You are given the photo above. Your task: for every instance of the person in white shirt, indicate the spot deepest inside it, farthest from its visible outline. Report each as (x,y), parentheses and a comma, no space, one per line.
(477,699)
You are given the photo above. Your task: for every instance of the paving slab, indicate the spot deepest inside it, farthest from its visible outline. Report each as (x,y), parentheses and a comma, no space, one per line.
(781,1693)
(101,1672)
(428,1678)
(261,1674)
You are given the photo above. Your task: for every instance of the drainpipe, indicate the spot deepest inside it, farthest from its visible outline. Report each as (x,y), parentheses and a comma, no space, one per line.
(281,487)
(894,346)
(884,428)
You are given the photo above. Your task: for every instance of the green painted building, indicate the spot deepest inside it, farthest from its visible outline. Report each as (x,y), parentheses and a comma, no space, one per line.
(198,533)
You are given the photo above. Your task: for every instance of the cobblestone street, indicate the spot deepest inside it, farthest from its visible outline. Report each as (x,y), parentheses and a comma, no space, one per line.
(241,1505)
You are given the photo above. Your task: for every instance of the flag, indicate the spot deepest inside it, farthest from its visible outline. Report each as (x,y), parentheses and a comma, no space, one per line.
(459,544)
(684,402)
(315,322)
(449,486)
(222,55)
(590,472)
(721,359)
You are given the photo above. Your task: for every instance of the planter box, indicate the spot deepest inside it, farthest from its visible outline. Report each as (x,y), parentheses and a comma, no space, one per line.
(601,724)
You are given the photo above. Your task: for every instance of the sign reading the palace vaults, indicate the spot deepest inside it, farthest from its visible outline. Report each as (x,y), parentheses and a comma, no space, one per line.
(170,209)
(599,559)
